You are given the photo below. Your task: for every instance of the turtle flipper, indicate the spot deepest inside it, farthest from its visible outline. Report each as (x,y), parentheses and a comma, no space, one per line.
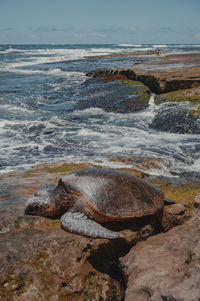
(77,222)
(168,221)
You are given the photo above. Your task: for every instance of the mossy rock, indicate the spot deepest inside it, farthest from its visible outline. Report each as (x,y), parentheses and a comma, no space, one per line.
(141,90)
(181,193)
(56,168)
(140,87)
(192,95)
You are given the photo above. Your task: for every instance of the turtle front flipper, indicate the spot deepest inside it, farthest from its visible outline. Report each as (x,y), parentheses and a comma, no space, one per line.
(77,222)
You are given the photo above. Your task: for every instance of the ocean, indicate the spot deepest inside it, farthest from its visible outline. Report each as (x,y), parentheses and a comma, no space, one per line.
(50,112)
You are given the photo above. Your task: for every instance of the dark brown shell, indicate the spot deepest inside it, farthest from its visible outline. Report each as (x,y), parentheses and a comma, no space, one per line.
(115,194)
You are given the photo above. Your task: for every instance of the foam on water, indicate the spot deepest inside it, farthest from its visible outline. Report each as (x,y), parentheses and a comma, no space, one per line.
(159,46)
(130,45)
(41,120)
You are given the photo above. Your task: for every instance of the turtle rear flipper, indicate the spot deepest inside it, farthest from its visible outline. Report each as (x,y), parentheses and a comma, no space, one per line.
(168,221)
(77,222)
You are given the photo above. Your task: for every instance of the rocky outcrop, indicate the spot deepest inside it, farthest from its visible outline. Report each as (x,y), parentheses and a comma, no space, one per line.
(165,267)
(192,95)
(120,95)
(40,261)
(158,82)
(175,119)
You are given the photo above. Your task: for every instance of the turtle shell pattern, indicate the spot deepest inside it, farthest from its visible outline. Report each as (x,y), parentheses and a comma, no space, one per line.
(114,194)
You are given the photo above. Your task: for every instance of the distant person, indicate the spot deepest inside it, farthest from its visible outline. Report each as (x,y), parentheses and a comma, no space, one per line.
(158,52)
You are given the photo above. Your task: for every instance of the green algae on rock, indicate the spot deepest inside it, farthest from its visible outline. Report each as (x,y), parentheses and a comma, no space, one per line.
(137,100)
(192,95)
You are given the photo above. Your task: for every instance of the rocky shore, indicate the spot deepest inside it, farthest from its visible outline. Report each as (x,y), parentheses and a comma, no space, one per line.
(40,261)
(171,84)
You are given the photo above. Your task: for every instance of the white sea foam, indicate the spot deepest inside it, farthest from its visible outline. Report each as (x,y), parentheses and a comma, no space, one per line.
(88,132)
(151,100)
(130,45)
(46,56)
(53,71)
(10,50)
(159,46)
(11,108)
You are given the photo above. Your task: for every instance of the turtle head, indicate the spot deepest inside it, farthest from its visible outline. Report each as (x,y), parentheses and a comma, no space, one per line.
(48,201)
(41,203)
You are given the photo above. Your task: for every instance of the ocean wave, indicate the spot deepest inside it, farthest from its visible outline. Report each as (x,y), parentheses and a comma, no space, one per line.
(88,132)
(16,68)
(51,131)
(10,50)
(53,56)
(159,46)
(16,110)
(130,45)
(146,49)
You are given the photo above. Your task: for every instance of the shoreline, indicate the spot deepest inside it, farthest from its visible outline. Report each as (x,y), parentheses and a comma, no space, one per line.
(40,260)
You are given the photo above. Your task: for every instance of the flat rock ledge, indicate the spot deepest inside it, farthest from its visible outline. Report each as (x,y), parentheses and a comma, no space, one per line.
(158,82)
(50,264)
(166,267)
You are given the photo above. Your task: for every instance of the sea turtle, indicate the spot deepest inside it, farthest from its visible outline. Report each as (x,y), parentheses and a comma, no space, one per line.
(87,197)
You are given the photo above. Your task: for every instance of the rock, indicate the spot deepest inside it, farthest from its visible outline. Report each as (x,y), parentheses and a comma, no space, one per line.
(118,95)
(176,209)
(197,201)
(165,266)
(187,203)
(41,261)
(158,82)
(196,112)
(175,119)
(181,95)
(50,264)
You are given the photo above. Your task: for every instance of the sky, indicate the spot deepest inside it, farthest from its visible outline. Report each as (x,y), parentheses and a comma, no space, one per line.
(99,21)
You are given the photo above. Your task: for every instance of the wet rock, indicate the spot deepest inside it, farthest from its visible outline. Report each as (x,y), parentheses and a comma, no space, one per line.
(175,119)
(122,96)
(50,264)
(181,95)
(158,82)
(165,266)
(176,209)
(197,201)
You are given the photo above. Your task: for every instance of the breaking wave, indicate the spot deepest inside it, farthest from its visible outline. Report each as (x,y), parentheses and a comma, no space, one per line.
(49,112)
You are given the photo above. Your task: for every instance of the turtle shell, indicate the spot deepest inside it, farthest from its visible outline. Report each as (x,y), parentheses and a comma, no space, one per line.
(114,194)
